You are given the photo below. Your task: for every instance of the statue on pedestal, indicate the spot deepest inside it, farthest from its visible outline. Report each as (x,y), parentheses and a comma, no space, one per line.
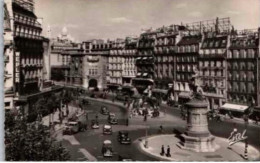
(195,87)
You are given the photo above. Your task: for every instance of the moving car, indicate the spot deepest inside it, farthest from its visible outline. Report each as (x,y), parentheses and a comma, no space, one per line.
(107,150)
(107,130)
(94,124)
(112,118)
(71,128)
(123,137)
(104,110)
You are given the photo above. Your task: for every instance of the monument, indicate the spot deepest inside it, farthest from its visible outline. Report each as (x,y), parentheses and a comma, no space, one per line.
(197,136)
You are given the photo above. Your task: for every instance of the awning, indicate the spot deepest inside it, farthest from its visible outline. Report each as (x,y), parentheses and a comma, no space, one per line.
(138,58)
(144,58)
(145,74)
(150,57)
(184,95)
(138,74)
(234,107)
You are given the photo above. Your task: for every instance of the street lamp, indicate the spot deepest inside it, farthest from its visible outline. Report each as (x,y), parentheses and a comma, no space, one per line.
(246,140)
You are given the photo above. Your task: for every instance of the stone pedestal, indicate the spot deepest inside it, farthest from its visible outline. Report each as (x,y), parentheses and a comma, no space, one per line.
(197,136)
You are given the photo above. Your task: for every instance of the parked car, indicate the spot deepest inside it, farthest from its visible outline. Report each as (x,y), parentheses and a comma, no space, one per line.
(71,128)
(123,137)
(107,130)
(112,118)
(104,110)
(94,124)
(107,149)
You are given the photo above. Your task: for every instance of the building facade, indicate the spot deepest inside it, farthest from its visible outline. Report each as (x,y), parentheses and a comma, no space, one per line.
(145,61)
(129,56)
(212,67)
(186,62)
(116,61)
(243,71)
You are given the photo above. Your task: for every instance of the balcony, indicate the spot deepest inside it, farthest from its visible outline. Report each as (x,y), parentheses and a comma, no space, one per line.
(30,23)
(27,35)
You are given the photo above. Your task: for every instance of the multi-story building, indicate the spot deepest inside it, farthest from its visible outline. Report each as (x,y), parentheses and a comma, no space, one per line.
(129,56)
(74,74)
(29,48)
(95,64)
(164,50)
(24,51)
(145,61)
(212,61)
(115,61)
(59,60)
(8,60)
(212,67)
(186,63)
(243,71)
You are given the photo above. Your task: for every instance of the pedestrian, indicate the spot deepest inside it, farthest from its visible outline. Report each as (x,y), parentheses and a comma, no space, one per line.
(256,120)
(161,129)
(168,154)
(162,151)
(145,117)
(96,117)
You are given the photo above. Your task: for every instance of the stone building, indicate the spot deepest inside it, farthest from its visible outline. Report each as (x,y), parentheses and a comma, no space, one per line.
(164,51)
(243,72)
(115,61)
(212,67)
(59,60)
(145,61)
(129,56)
(186,63)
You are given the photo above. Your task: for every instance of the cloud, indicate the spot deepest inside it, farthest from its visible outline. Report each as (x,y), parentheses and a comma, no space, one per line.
(195,14)
(233,12)
(120,20)
(181,5)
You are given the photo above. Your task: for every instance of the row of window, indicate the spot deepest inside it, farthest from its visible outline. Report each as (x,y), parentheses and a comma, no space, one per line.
(241,76)
(241,87)
(217,73)
(27,30)
(212,64)
(211,51)
(186,59)
(188,48)
(239,98)
(31,60)
(250,53)
(165,41)
(214,43)
(241,65)
(186,67)
(93,71)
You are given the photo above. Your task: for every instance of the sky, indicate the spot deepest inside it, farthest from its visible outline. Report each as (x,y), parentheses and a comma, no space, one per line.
(103,19)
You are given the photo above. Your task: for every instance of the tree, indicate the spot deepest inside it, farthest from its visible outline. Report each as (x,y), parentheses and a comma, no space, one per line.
(31,141)
(66,99)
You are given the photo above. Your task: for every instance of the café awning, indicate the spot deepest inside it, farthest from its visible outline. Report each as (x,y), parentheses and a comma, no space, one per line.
(234,107)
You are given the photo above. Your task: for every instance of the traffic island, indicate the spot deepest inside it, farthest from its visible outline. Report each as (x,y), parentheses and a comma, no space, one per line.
(224,153)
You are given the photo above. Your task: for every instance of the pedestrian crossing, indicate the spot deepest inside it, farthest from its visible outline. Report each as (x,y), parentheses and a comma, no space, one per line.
(87,155)
(71,139)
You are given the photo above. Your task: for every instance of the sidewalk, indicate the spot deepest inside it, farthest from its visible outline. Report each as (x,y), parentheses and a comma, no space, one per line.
(57,130)
(177,154)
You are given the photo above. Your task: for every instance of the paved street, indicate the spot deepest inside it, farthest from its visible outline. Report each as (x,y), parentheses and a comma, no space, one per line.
(87,145)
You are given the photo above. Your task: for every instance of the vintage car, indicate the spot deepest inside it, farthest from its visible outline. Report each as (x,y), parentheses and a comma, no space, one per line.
(107,150)
(112,119)
(94,124)
(104,110)
(123,137)
(107,130)
(71,128)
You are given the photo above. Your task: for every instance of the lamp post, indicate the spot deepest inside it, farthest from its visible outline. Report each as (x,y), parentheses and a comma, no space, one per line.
(246,140)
